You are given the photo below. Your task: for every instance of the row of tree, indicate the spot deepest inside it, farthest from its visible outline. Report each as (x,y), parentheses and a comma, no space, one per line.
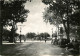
(30,35)
(38,36)
(64,12)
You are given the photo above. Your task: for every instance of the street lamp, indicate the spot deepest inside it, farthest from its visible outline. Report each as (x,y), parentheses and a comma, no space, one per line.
(20,32)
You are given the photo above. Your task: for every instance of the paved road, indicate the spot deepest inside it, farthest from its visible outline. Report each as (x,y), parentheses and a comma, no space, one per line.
(36,48)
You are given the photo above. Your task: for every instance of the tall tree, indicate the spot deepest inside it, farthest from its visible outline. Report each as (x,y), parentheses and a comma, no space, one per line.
(0,27)
(12,12)
(64,9)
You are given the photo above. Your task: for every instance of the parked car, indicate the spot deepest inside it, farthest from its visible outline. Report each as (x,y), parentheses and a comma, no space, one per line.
(63,42)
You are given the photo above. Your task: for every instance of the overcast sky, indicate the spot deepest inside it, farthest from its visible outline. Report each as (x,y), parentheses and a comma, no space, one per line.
(35,22)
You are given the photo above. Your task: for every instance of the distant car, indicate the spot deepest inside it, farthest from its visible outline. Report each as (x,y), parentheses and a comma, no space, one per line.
(63,42)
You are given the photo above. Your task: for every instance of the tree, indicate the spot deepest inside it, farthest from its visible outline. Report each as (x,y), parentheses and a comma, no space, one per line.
(31,35)
(5,34)
(64,9)
(12,12)
(41,36)
(44,35)
(50,16)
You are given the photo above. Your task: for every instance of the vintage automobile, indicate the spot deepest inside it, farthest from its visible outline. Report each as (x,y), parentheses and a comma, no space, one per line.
(63,42)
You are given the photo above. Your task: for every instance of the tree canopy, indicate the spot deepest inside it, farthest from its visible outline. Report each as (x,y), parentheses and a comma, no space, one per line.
(61,8)
(66,11)
(44,35)
(30,35)
(13,11)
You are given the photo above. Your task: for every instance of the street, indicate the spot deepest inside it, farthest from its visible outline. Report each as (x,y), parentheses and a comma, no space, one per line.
(35,48)
(39,27)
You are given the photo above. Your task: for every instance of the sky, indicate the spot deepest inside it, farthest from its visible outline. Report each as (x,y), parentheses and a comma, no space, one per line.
(35,22)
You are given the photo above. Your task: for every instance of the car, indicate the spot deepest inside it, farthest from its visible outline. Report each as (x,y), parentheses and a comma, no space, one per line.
(63,42)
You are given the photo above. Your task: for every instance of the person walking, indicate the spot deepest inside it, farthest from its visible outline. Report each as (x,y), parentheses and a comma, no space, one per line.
(52,41)
(45,40)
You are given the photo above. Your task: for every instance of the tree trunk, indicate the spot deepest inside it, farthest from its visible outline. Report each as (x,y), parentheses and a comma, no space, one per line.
(12,39)
(1,26)
(68,29)
(1,31)
(12,34)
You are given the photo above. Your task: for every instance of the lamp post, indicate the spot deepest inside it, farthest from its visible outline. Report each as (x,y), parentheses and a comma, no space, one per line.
(20,32)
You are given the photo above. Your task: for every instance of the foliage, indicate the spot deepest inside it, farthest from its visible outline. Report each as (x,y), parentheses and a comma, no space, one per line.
(75,18)
(44,35)
(13,11)
(50,16)
(61,8)
(30,35)
(67,11)
(41,34)
(7,34)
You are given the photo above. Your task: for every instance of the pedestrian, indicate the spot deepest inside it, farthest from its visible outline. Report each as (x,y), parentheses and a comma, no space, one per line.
(52,41)
(55,41)
(45,40)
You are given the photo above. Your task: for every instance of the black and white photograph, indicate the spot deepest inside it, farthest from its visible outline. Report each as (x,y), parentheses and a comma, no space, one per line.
(39,27)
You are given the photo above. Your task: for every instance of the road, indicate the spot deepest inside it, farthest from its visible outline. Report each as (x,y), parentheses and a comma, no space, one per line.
(36,48)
